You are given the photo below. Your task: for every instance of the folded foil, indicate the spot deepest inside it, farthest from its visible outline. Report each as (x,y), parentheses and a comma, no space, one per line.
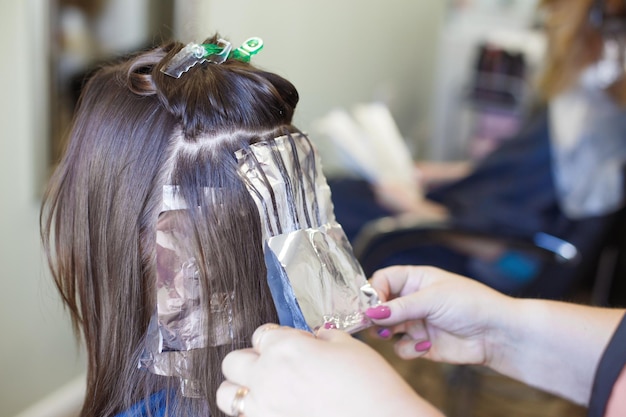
(178,324)
(312,272)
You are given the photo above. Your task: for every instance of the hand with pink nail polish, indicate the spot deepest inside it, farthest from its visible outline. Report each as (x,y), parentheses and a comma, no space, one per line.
(445,317)
(551,345)
(439,314)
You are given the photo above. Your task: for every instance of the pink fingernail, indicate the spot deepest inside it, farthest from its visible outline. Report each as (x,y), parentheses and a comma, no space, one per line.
(329,325)
(423,346)
(384,333)
(378,312)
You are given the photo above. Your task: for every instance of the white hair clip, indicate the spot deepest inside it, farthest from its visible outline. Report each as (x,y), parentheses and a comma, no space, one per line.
(215,53)
(194,53)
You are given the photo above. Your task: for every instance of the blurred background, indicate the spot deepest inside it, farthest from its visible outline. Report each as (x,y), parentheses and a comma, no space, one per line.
(420,58)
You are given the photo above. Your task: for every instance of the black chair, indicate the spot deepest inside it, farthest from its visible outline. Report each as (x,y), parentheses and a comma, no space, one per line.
(587,277)
(379,239)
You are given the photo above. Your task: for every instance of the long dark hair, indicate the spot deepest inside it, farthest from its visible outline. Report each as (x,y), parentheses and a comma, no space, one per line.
(136,130)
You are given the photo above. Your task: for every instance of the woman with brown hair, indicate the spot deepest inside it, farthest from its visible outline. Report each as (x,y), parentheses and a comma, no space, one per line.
(182,164)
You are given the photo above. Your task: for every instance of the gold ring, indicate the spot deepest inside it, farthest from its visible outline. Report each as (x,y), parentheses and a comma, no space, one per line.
(237,405)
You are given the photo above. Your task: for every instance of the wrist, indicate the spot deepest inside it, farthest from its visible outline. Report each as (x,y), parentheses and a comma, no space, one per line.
(503,331)
(551,345)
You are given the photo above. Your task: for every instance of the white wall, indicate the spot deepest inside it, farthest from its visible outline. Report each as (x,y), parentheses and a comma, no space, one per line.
(37,352)
(337,53)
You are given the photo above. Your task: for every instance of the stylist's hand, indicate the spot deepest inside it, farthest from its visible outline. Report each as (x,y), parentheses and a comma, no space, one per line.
(442,316)
(291,373)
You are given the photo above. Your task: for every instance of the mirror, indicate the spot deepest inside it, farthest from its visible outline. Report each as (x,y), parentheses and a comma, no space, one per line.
(85,33)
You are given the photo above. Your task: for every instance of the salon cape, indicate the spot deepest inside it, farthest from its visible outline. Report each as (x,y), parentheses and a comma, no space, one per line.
(153,406)
(588,135)
(608,397)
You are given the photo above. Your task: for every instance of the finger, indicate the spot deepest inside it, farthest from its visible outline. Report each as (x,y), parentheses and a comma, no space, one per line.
(409,348)
(397,280)
(387,332)
(416,329)
(236,365)
(260,332)
(331,334)
(381,332)
(268,335)
(415,342)
(416,306)
(225,397)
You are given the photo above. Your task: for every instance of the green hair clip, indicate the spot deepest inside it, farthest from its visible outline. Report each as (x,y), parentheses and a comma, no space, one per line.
(250,47)
(215,53)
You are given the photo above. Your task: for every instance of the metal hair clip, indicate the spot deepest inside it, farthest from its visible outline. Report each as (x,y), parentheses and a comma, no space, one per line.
(194,53)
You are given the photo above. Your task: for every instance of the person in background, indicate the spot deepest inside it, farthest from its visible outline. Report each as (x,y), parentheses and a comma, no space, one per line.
(573,351)
(562,174)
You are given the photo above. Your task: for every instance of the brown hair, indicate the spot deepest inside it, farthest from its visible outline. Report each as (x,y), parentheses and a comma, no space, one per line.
(136,130)
(573,44)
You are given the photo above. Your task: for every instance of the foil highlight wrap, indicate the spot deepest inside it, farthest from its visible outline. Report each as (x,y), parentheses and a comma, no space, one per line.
(313,275)
(178,325)
(314,269)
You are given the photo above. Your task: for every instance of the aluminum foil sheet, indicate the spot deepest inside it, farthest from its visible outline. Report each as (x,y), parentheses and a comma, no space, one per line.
(312,272)
(178,324)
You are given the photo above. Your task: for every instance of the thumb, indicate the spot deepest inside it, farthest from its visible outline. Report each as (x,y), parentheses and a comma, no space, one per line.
(414,306)
(331,335)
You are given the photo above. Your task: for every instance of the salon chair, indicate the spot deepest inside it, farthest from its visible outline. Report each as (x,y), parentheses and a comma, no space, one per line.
(381,238)
(567,272)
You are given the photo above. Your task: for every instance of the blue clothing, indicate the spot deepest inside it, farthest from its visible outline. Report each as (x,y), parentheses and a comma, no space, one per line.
(154,406)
